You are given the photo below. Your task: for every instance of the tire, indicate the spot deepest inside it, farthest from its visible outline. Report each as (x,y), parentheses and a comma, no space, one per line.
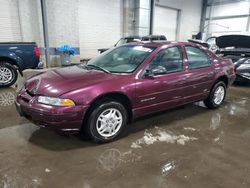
(103,124)
(217,95)
(8,74)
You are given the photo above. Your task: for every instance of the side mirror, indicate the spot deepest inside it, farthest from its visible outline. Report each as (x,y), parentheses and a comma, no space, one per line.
(159,70)
(148,74)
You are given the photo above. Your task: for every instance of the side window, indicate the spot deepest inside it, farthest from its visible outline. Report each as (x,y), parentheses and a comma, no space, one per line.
(166,61)
(197,58)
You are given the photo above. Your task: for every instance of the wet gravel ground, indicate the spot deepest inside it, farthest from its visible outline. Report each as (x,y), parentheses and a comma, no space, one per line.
(189,146)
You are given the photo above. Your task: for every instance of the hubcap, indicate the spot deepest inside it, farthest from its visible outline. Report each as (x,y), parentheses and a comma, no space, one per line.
(219,95)
(109,122)
(5,75)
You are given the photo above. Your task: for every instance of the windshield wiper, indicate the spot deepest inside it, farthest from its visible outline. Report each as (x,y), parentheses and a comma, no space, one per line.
(97,68)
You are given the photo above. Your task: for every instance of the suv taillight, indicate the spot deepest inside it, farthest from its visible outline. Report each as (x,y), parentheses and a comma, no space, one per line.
(37,52)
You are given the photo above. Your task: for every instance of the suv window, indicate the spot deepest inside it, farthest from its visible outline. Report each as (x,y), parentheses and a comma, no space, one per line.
(167,61)
(197,58)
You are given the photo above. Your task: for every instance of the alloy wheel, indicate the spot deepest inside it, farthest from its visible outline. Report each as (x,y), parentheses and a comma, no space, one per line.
(219,95)
(109,122)
(6,75)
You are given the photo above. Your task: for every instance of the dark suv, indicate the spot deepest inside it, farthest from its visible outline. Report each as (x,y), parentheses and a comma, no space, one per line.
(17,56)
(154,38)
(123,40)
(135,38)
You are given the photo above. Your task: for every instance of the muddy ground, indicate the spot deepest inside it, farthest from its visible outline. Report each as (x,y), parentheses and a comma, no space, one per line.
(190,146)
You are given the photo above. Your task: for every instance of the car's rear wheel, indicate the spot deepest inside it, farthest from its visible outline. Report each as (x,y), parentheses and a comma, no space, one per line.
(8,74)
(106,122)
(216,96)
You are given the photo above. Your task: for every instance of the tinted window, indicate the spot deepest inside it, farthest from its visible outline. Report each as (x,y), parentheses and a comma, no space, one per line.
(197,58)
(167,61)
(121,42)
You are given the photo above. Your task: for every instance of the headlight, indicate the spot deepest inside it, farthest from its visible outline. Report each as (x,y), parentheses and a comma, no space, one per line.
(55,101)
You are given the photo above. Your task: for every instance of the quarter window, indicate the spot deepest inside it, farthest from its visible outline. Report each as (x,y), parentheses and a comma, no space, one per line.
(197,58)
(167,61)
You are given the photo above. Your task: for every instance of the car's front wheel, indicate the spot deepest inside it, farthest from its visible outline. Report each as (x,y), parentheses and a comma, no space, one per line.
(107,121)
(8,74)
(216,96)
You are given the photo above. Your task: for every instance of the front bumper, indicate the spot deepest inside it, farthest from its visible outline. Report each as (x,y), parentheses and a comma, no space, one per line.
(60,118)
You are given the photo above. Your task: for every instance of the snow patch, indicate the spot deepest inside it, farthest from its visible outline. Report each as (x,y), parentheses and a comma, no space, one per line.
(189,128)
(36,181)
(161,136)
(134,145)
(183,139)
(47,170)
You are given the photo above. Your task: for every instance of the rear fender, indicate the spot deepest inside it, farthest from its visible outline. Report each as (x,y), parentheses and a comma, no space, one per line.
(14,60)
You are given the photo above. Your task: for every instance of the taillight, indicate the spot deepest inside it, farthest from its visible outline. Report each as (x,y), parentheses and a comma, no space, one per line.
(37,52)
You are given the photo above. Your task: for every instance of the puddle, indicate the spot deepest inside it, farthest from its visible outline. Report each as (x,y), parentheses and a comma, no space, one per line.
(109,160)
(7,97)
(215,121)
(238,107)
(112,159)
(16,179)
(161,136)
(237,110)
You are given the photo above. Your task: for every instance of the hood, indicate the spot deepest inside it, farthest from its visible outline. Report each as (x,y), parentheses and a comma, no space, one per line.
(237,41)
(60,81)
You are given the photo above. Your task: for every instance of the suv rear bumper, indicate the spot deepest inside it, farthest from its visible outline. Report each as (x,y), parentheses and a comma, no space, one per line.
(40,65)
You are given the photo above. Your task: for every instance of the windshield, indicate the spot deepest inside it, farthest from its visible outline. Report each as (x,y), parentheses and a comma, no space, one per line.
(124,59)
(211,41)
(121,42)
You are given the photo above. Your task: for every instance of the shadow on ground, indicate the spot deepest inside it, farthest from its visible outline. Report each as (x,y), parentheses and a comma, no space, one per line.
(58,141)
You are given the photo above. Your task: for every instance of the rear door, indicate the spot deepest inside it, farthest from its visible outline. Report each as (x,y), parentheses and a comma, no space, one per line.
(200,73)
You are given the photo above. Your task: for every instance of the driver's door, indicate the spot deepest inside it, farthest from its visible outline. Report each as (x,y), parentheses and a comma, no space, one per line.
(162,84)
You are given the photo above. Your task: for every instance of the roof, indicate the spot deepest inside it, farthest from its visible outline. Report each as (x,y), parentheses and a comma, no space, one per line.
(160,43)
(154,37)
(132,37)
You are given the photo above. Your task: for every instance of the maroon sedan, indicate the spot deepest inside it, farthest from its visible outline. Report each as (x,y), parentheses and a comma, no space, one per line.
(101,97)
